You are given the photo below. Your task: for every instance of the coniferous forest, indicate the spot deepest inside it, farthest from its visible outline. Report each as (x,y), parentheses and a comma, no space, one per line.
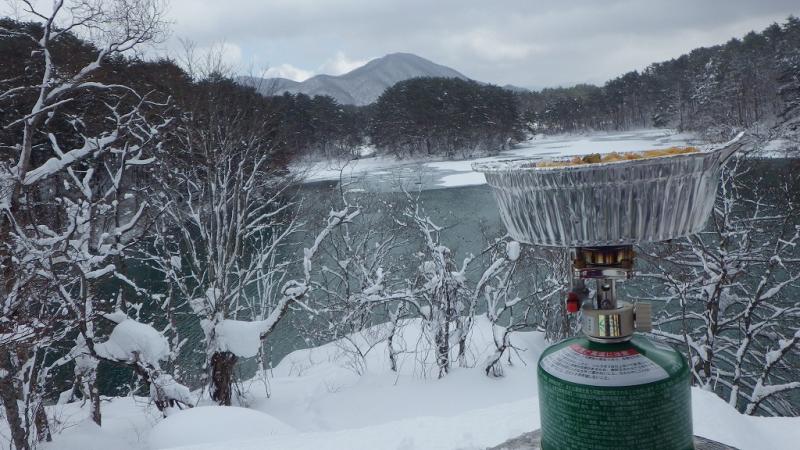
(745,83)
(716,90)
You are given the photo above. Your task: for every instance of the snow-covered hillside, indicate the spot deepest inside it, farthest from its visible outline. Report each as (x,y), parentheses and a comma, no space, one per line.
(328,398)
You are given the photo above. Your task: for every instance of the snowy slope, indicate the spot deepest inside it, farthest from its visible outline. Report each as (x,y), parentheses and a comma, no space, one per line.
(360,86)
(319,401)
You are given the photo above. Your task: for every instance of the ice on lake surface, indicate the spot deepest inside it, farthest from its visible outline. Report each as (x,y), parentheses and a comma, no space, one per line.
(381,173)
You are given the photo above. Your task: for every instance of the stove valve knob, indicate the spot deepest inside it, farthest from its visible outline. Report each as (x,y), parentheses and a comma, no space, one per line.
(573,302)
(642,317)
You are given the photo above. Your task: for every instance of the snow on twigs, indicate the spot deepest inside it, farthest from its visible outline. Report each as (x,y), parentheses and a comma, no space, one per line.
(512,250)
(131,341)
(165,386)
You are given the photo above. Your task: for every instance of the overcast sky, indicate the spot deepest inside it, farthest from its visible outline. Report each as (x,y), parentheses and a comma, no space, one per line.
(531,43)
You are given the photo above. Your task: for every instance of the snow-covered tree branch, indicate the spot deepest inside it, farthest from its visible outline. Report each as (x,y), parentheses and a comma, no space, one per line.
(64,220)
(227,216)
(729,293)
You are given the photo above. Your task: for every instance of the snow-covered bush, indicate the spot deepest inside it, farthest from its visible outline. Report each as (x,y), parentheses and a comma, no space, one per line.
(371,277)
(222,241)
(143,348)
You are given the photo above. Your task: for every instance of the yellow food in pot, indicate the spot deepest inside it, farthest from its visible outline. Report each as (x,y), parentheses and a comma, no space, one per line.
(596,158)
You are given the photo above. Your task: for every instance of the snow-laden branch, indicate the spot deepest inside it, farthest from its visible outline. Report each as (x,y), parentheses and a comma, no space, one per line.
(731,284)
(762,390)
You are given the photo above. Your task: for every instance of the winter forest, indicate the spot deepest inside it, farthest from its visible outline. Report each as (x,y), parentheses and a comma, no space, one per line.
(164,250)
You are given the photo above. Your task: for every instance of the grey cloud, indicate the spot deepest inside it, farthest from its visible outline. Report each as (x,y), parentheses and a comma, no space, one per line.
(529,43)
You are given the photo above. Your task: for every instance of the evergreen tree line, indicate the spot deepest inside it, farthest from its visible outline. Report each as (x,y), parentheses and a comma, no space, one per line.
(744,83)
(318,126)
(424,116)
(181,97)
(295,125)
(444,116)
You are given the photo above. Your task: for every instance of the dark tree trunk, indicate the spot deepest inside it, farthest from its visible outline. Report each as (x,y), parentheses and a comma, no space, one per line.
(42,425)
(494,368)
(392,354)
(443,349)
(9,397)
(92,395)
(39,414)
(222,365)
(462,347)
(443,342)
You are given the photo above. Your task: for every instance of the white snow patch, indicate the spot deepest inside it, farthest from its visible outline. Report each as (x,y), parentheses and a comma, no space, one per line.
(215,425)
(462,179)
(714,419)
(131,340)
(470,430)
(512,250)
(779,148)
(317,392)
(116,316)
(170,388)
(366,150)
(243,338)
(126,423)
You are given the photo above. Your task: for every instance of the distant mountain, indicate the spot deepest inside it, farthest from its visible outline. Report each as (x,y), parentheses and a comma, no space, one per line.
(360,86)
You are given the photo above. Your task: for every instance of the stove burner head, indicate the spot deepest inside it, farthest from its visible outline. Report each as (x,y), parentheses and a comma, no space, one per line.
(603,319)
(603,262)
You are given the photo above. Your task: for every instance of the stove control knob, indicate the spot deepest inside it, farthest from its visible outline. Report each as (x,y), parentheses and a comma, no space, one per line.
(642,317)
(573,302)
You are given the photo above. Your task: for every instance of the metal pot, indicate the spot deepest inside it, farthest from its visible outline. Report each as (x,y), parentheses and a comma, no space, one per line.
(607,204)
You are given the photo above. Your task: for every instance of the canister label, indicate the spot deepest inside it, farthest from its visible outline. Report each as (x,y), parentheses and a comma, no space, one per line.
(580,365)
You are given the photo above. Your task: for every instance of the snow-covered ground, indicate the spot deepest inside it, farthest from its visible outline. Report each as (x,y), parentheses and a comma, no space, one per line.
(385,169)
(326,398)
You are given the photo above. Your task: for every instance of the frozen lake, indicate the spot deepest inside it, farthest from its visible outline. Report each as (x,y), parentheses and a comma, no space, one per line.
(378,173)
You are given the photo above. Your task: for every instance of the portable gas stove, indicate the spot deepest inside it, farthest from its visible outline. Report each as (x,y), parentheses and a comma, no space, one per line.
(610,388)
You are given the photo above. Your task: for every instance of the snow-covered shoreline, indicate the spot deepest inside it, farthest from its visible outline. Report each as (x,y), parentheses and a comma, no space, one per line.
(453,173)
(445,173)
(328,398)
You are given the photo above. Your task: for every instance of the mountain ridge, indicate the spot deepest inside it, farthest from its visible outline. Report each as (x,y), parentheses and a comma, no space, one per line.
(360,86)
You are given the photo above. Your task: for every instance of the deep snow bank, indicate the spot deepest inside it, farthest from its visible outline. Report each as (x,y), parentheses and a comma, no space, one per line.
(215,425)
(335,400)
